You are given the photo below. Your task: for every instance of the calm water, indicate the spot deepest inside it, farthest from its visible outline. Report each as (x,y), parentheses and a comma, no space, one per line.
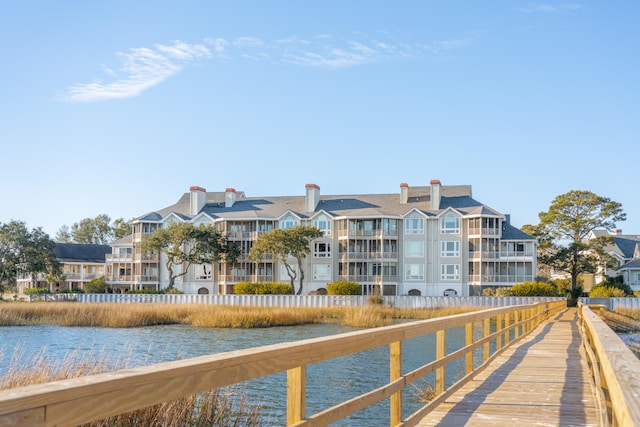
(328,383)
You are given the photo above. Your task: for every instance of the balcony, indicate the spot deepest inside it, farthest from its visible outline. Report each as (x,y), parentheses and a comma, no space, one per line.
(376,234)
(139,278)
(146,258)
(369,278)
(367,255)
(490,232)
(501,255)
(488,279)
(119,257)
(235,278)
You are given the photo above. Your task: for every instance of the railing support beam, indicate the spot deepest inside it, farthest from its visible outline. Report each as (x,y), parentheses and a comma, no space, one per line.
(296,394)
(395,372)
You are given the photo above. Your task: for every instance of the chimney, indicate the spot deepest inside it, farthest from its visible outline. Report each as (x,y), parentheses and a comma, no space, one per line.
(404,193)
(435,194)
(312,197)
(197,200)
(229,197)
(616,232)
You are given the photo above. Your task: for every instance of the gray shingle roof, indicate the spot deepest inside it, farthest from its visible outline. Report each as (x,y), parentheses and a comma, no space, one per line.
(76,252)
(633,264)
(455,196)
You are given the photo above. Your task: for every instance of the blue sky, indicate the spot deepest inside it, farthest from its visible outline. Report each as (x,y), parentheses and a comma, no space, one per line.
(119,107)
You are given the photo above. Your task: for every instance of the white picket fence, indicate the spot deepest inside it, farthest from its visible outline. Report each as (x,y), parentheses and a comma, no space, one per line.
(311,300)
(614,304)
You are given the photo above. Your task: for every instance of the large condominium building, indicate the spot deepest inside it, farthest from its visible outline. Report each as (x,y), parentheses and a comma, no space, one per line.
(426,240)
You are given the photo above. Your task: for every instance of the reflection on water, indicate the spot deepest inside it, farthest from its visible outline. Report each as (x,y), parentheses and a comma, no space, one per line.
(328,383)
(632,339)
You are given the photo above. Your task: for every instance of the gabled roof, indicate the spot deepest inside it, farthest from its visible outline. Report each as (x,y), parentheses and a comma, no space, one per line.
(509,232)
(625,246)
(124,241)
(76,252)
(634,264)
(457,197)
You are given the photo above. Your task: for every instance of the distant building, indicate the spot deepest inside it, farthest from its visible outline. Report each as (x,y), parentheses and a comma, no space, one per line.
(81,263)
(626,250)
(425,240)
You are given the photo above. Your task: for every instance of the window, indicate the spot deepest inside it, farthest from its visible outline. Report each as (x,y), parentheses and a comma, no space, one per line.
(450,224)
(414,224)
(204,272)
(450,272)
(414,272)
(323,223)
(125,251)
(450,248)
(321,272)
(321,250)
(413,248)
(288,222)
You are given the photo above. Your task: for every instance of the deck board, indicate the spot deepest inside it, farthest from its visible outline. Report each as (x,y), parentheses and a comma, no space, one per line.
(541,381)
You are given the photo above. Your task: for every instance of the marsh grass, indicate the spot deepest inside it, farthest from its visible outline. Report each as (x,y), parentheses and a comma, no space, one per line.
(202,315)
(223,407)
(634,314)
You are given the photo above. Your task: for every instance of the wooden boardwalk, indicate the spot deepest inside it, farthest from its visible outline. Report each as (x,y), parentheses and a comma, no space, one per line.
(541,381)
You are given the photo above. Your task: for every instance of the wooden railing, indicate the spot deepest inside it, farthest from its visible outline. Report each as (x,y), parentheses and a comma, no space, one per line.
(614,368)
(80,400)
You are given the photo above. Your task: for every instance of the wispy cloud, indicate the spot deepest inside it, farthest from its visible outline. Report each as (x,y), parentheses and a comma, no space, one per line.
(548,8)
(143,68)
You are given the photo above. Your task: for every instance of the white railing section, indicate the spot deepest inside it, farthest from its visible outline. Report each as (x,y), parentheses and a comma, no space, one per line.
(400,302)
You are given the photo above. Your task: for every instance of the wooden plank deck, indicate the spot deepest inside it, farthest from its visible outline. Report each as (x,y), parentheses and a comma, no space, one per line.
(541,381)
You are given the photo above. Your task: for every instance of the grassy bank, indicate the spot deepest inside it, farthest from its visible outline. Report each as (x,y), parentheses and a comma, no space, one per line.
(200,315)
(222,407)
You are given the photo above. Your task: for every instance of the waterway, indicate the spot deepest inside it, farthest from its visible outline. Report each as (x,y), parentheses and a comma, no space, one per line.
(328,383)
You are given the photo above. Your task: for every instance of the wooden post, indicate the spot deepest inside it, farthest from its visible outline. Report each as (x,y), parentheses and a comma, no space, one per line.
(487,332)
(441,345)
(498,329)
(296,394)
(468,342)
(395,372)
(507,323)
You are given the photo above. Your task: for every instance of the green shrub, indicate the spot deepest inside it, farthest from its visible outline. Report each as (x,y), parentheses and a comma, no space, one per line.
(96,286)
(606,292)
(262,288)
(505,291)
(614,282)
(534,289)
(36,291)
(344,288)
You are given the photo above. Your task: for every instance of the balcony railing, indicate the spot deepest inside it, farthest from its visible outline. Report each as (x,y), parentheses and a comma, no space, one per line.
(501,254)
(119,257)
(146,257)
(500,278)
(475,231)
(141,278)
(234,278)
(368,233)
(369,278)
(367,255)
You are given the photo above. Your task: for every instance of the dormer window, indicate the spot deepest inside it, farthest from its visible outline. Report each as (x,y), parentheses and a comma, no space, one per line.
(450,224)
(323,224)
(414,224)
(288,222)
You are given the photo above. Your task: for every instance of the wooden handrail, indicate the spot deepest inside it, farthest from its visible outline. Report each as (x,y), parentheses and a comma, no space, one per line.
(80,400)
(615,370)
